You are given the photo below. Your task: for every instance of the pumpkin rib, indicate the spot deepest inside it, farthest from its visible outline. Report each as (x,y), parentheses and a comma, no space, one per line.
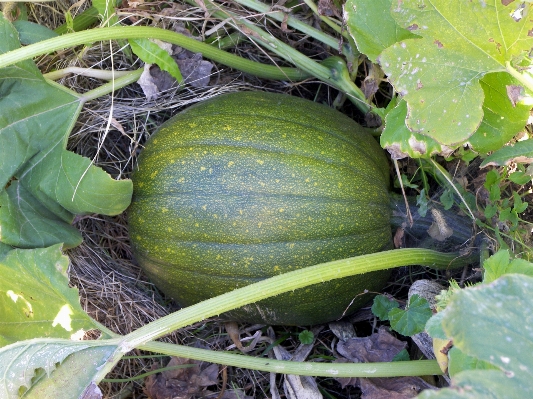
(358,173)
(350,136)
(173,194)
(265,243)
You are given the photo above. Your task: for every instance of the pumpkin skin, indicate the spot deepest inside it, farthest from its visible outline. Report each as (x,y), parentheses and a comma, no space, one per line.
(249,185)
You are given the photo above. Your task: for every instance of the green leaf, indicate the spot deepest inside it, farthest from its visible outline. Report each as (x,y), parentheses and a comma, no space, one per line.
(509,215)
(501,120)
(476,384)
(492,322)
(402,356)
(30,32)
(106,11)
(28,224)
(4,249)
(402,142)
(434,326)
(492,178)
(490,210)
(518,205)
(439,74)
(382,305)
(447,199)
(520,177)
(35,298)
(306,337)
(50,368)
(372,27)
(151,53)
(412,320)
(500,264)
(84,365)
(521,152)
(42,185)
(422,202)
(458,362)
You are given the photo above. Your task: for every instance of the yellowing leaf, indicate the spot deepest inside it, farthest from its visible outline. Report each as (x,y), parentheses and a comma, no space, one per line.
(35,298)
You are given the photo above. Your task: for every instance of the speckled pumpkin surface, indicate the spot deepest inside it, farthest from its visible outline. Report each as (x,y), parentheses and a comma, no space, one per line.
(249,185)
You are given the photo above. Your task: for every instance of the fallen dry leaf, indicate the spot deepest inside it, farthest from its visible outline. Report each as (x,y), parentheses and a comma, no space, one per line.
(182,383)
(392,388)
(378,347)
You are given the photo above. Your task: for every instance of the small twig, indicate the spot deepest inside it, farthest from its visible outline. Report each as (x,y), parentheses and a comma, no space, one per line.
(407,208)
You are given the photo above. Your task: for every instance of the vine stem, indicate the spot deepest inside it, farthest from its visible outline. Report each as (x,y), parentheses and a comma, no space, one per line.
(317,274)
(382,369)
(90,72)
(143,32)
(289,282)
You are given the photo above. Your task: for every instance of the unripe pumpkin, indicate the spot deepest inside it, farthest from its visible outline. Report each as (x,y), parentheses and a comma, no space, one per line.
(249,185)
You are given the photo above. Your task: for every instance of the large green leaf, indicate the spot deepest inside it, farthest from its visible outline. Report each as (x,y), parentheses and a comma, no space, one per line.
(476,384)
(42,185)
(492,323)
(51,368)
(438,75)
(372,27)
(35,298)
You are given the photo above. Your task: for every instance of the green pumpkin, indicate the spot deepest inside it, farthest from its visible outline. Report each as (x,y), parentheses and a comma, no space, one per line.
(249,185)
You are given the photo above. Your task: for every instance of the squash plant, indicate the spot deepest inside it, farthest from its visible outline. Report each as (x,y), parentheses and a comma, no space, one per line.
(445,43)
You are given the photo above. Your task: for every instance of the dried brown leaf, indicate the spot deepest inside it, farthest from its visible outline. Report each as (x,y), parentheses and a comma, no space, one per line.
(182,383)
(378,347)
(392,388)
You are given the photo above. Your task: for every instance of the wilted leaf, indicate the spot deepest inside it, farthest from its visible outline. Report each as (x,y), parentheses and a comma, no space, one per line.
(402,142)
(378,347)
(50,368)
(372,27)
(35,299)
(392,388)
(520,152)
(42,185)
(187,379)
(438,75)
